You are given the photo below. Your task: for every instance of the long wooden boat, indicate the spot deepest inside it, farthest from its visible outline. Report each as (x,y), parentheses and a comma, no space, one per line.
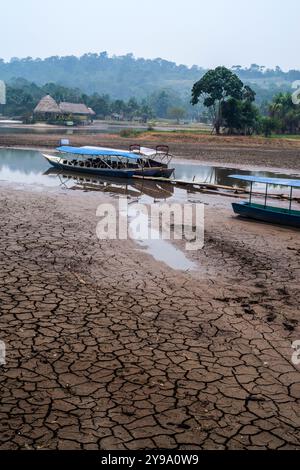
(264,212)
(110,162)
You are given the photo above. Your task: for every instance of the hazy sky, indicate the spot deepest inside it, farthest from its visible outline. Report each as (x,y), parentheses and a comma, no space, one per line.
(202,32)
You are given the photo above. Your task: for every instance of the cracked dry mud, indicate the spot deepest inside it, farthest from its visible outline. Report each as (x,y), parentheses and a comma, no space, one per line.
(108,349)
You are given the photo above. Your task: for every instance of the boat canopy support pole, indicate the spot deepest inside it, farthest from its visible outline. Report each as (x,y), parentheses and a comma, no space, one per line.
(266,195)
(291,198)
(103,160)
(251,189)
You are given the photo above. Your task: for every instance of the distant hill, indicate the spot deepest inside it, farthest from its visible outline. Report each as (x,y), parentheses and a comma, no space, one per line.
(123,77)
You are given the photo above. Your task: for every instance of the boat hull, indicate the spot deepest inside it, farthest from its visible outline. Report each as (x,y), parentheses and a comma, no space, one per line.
(118,173)
(268,214)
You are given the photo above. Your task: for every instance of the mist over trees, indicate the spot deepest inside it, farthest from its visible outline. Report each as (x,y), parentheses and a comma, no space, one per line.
(141,89)
(23,96)
(123,77)
(120,76)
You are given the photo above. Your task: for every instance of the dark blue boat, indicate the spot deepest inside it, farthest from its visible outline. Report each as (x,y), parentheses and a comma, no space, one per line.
(263,212)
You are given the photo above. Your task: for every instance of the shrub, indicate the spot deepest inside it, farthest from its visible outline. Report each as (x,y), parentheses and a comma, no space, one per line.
(268,125)
(129,133)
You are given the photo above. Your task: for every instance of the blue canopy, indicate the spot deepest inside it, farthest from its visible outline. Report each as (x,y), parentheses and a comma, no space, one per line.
(97,152)
(273,181)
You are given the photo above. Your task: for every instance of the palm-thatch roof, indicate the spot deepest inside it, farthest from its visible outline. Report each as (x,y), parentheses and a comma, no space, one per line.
(75,108)
(47,105)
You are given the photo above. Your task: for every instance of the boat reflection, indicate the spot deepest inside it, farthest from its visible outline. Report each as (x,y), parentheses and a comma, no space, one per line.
(221,176)
(119,186)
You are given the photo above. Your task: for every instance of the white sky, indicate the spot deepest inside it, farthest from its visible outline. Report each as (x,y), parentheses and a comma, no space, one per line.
(202,32)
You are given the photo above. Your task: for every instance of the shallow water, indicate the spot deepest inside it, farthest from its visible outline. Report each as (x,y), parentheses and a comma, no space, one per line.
(220,175)
(29,167)
(152,242)
(164,251)
(100,129)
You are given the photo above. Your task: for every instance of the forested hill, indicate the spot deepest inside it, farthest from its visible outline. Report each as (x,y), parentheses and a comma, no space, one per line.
(125,76)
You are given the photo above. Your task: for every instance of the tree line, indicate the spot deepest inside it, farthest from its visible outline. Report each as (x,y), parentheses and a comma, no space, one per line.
(23,96)
(219,97)
(233,110)
(125,76)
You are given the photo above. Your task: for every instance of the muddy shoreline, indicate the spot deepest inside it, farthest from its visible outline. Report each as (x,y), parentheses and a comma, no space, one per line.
(109,349)
(237,151)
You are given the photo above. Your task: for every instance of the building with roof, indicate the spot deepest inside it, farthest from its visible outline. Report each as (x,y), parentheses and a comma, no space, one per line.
(48,110)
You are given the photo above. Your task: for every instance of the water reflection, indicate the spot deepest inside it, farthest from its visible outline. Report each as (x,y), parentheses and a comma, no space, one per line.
(99,129)
(29,167)
(220,176)
(25,167)
(119,186)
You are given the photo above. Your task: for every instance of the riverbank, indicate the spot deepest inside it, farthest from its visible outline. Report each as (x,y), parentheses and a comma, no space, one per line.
(221,151)
(109,349)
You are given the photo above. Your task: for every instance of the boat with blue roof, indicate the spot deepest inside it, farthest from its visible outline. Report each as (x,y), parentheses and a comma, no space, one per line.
(264,212)
(138,161)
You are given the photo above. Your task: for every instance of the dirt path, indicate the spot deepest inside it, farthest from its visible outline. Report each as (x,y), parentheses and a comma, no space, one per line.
(108,349)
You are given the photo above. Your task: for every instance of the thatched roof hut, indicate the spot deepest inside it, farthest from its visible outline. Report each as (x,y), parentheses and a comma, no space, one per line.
(49,110)
(47,105)
(75,108)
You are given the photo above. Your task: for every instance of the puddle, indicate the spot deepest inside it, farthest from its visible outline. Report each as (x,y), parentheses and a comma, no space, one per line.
(151,241)
(164,251)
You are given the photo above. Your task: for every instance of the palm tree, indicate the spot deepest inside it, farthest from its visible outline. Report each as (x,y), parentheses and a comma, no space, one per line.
(284,111)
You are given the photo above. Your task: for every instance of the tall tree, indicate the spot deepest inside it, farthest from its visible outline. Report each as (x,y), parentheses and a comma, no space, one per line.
(217,86)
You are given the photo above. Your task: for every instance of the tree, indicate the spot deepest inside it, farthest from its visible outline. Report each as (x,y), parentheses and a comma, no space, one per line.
(217,86)
(248,94)
(100,104)
(232,115)
(118,107)
(161,103)
(285,112)
(231,101)
(145,112)
(268,125)
(240,117)
(132,109)
(250,117)
(176,113)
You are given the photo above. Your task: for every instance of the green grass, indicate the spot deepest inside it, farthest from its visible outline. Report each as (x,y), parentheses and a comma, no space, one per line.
(130,133)
(187,131)
(285,136)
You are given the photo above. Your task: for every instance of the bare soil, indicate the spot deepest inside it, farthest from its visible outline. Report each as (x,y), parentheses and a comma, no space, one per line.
(109,349)
(237,151)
